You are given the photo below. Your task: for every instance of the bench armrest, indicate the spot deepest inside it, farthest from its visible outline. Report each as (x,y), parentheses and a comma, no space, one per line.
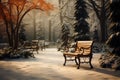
(85,48)
(82,49)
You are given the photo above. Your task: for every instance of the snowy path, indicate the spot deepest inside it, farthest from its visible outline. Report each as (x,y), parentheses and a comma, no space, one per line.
(48,65)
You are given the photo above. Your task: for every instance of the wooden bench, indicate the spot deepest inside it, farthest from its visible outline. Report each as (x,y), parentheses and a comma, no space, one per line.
(26,45)
(32,46)
(82,54)
(42,44)
(35,46)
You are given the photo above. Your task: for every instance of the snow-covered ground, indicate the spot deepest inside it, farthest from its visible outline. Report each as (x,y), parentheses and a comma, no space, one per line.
(48,65)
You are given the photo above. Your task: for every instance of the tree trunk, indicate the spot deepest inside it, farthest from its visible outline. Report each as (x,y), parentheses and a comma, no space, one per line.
(103,29)
(103,22)
(101,14)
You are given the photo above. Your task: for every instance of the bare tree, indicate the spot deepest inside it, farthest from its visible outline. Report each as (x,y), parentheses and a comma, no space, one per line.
(66,11)
(101,8)
(13,12)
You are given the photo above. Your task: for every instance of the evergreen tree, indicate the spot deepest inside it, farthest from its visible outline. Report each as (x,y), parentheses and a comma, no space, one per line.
(65,37)
(22,36)
(114,39)
(81,25)
(40,33)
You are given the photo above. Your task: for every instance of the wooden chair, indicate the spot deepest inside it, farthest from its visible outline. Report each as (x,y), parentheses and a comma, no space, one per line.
(27,49)
(82,54)
(35,46)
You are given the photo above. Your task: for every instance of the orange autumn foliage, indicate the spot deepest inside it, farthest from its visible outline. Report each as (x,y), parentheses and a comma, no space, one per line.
(13,12)
(18,2)
(45,6)
(42,4)
(28,4)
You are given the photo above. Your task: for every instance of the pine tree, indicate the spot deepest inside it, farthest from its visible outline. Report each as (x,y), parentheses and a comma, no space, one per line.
(65,37)
(114,39)
(40,33)
(81,25)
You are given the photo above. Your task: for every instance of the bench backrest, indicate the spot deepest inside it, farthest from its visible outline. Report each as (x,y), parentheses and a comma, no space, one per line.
(34,42)
(84,44)
(27,44)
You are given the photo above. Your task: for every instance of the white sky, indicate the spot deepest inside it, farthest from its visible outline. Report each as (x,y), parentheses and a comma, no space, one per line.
(55,2)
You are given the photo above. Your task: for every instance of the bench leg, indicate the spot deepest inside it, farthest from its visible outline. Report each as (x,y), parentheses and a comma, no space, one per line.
(37,51)
(78,62)
(65,60)
(32,55)
(90,62)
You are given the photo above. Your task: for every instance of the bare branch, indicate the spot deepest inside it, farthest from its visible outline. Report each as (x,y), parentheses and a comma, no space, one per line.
(65,4)
(95,7)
